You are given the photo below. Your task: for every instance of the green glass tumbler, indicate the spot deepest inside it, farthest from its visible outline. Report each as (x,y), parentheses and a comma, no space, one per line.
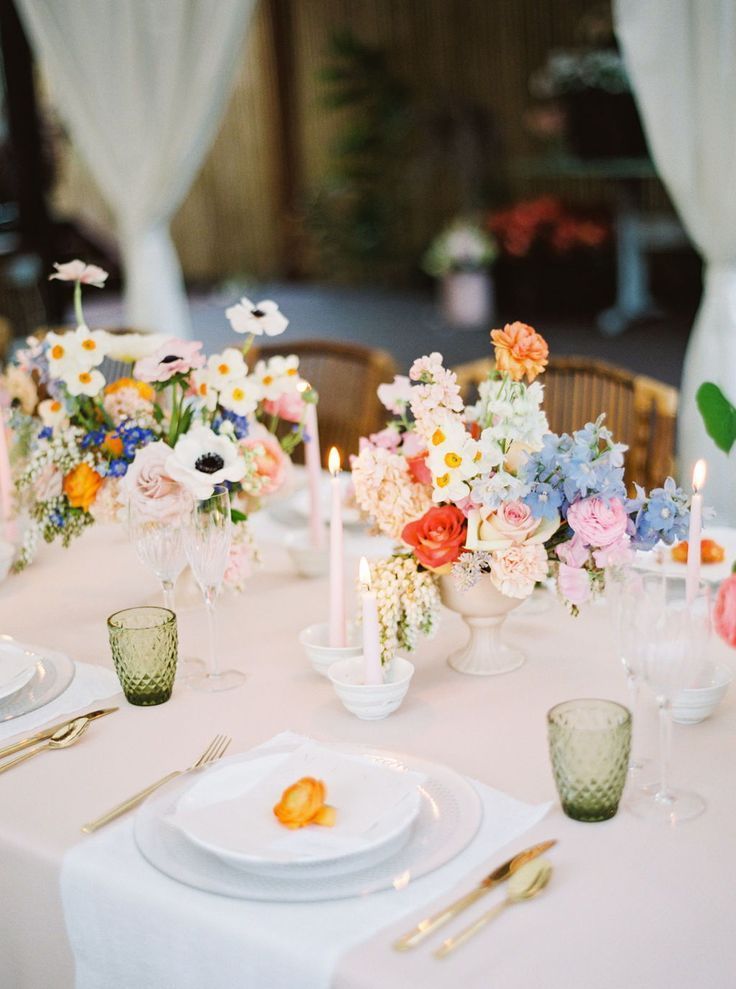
(589,744)
(144,649)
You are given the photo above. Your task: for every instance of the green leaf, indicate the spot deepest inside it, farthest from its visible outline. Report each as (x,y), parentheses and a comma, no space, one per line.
(718,415)
(237,516)
(158,413)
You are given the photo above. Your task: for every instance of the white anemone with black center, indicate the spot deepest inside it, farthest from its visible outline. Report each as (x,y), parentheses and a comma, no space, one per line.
(201,460)
(257,318)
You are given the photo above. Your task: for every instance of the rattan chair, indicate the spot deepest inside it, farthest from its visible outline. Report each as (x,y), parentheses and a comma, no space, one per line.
(640,411)
(346,376)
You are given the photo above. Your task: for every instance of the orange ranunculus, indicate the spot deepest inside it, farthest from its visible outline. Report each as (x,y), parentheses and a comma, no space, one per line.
(520,351)
(81,486)
(143,389)
(304,803)
(113,445)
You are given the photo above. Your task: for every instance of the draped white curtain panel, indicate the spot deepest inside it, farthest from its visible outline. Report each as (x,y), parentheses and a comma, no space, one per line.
(681,56)
(141,86)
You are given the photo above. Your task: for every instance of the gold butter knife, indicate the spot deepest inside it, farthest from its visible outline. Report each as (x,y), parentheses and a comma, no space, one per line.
(430,924)
(46,733)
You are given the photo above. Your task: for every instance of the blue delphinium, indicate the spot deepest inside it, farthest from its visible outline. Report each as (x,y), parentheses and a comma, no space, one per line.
(239,423)
(46,433)
(661,515)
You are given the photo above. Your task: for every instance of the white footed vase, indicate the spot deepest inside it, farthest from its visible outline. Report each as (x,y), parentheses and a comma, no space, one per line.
(483,609)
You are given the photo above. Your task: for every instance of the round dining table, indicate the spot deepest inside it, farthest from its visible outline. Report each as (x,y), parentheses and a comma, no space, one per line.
(631,903)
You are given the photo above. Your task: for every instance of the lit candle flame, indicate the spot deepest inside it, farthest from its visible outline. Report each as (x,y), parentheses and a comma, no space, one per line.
(333,461)
(364,573)
(699,475)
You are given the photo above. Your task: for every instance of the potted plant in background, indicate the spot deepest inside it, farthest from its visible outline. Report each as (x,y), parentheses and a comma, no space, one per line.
(461,258)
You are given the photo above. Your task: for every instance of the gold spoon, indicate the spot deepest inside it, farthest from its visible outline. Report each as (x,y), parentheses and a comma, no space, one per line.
(61,739)
(527,882)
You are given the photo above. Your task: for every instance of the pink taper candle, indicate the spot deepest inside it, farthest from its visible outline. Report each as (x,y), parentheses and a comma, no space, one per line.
(338,633)
(313,460)
(6,483)
(373,673)
(695,533)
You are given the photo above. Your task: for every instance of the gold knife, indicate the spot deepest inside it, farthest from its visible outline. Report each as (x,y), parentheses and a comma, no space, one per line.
(430,924)
(48,732)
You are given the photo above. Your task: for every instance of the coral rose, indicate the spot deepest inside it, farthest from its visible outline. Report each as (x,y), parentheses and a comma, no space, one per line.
(520,351)
(724,611)
(81,486)
(303,803)
(437,537)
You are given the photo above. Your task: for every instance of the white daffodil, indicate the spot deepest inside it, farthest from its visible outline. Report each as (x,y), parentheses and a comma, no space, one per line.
(257,318)
(84,381)
(201,459)
(62,351)
(227,366)
(240,396)
(277,376)
(130,347)
(52,412)
(453,458)
(204,388)
(92,348)
(78,271)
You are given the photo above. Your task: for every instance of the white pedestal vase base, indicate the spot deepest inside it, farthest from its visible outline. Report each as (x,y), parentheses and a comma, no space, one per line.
(484,610)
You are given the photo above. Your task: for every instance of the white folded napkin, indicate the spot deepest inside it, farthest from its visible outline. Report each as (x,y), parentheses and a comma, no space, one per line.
(90,684)
(233,809)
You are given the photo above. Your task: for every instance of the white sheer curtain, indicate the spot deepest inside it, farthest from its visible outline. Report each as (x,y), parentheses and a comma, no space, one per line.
(681,56)
(141,85)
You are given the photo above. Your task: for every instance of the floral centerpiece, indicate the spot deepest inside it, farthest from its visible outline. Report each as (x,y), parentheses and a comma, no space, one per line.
(180,424)
(492,502)
(461,257)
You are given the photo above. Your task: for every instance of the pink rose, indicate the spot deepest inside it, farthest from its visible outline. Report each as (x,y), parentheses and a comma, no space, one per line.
(271,463)
(618,554)
(573,584)
(289,406)
(598,522)
(151,491)
(724,611)
(574,552)
(514,519)
(172,357)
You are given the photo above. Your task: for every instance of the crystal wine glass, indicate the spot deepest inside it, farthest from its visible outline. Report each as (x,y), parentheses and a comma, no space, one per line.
(674,637)
(207,542)
(160,547)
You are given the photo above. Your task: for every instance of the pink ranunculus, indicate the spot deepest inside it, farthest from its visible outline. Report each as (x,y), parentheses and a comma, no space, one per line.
(271,462)
(618,554)
(598,522)
(724,611)
(289,406)
(151,491)
(574,552)
(172,357)
(573,584)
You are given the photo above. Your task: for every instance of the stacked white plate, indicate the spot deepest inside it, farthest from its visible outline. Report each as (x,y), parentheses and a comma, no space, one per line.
(659,560)
(396,818)
(30,677)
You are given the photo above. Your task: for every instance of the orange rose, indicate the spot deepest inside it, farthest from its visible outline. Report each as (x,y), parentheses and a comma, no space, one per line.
(520,351)
(143,389)
(81,486)
(304,803)
(113,445)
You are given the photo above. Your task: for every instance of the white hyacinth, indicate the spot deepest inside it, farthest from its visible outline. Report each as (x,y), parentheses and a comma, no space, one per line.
(408,604)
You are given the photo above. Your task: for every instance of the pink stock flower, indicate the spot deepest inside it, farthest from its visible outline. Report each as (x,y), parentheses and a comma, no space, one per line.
(78,271)
(172,357)
(598,522)
(618,554)
(574,552)
(724,611)
(573,584)
(271,463)
(289,406)
(396,395)
(151,490)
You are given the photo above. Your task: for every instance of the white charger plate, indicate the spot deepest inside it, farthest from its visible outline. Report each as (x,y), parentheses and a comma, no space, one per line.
(659,560)
(450,814)
(52,673)
(239,774)
(17,666)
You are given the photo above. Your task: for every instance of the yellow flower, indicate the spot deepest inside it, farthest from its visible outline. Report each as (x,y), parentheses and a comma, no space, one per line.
(81,486)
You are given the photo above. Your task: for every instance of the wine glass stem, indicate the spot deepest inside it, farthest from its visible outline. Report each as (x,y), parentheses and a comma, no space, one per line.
(665,746)
(210,596)
(633,685)
(168,588)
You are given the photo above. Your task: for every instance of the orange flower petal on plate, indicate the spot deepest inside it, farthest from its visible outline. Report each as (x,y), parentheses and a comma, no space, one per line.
(302,803)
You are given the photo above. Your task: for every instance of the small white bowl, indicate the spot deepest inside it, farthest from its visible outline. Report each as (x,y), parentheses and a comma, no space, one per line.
(371,702)
(7,552)
(308,561)
(695,704)
(316,642)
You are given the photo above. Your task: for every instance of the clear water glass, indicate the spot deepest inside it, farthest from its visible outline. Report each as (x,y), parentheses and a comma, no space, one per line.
(207,541)
(160,547)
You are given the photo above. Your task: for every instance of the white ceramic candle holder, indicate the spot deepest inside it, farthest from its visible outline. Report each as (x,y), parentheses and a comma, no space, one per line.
(695,704)
(307,559)
(371,702)
(316,642)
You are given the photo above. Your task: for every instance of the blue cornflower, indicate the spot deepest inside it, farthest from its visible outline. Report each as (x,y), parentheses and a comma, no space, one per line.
(56,518)
(95,437)
(117,468)
(46,433)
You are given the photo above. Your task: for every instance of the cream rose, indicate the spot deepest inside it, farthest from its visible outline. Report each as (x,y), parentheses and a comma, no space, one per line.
(151,490)
(513,523)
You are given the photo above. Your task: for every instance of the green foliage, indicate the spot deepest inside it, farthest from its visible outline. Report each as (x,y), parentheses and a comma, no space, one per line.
(237,516)
(719,415)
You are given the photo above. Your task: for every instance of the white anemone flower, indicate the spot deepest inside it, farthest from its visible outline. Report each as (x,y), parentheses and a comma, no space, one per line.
(84,381)
(240,396)
(227,366)
(201,460)
(78,271)
(257,318)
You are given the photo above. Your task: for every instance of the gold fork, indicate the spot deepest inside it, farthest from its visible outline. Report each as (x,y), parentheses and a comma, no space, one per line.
(214,751)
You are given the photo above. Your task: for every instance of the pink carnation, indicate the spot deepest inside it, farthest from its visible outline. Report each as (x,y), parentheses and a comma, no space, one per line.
(724,611)
(573,584)
(515,570)
(598,522)
(172,357)
(289,406)
(150,489)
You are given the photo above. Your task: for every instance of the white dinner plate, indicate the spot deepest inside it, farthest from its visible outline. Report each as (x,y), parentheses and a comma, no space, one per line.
(52,673)
(659,560)
(450,813)
(228,812)
(17,666)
